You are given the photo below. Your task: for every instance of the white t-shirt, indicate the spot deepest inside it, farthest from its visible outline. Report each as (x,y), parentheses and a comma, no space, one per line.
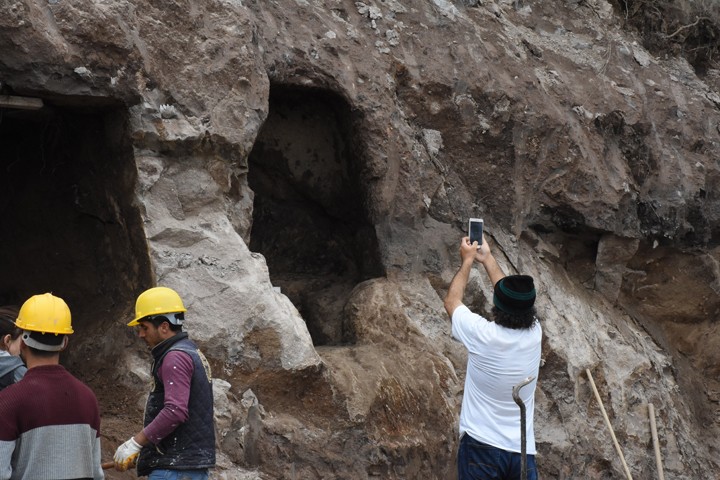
(498,359)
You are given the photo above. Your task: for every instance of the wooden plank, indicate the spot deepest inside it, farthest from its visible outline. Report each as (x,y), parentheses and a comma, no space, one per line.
(22,103)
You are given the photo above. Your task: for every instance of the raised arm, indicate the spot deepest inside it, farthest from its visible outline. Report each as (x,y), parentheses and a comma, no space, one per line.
(456,291)
(492,268)
(470,253)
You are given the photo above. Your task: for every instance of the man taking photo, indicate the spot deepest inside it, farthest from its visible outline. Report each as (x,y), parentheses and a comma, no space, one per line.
(502,352)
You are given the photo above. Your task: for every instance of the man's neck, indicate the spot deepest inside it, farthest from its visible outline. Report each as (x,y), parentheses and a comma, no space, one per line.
(33,361)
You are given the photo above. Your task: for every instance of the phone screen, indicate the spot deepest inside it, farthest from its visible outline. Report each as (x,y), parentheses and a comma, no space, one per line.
(476,230)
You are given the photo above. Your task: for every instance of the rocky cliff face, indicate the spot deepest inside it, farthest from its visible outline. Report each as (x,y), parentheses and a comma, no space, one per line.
(302,172)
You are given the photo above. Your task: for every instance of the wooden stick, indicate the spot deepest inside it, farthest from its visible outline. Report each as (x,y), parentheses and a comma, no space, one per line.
(607,422)
(108,465)
(656,444)
(23,103)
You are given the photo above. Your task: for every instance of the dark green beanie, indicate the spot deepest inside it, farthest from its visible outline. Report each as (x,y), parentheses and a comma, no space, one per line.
(515,294)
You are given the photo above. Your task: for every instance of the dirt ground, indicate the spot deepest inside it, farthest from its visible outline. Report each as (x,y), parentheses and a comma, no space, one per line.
(120,415)
(120,419)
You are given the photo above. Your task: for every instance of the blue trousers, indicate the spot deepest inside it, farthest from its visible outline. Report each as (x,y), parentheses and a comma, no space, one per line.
(478,461)
(178,475)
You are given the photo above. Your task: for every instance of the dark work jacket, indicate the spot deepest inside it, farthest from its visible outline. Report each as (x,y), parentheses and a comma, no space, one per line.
(192,444)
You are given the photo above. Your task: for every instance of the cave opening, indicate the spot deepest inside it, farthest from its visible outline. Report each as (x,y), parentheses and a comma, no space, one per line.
(310,216)
(68,223)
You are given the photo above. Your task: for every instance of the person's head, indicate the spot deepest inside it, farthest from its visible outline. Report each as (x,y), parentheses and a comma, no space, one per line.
(159,314)
(514,302)
(45,322)
(156,329)
(9,332)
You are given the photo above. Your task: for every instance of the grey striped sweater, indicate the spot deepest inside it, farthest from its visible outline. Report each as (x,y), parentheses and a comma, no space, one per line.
(49,428)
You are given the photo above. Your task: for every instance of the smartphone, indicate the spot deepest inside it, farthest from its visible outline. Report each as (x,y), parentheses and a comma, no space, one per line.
(475,230)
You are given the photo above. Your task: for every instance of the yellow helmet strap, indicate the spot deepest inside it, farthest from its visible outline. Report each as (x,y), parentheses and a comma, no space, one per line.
(34,343)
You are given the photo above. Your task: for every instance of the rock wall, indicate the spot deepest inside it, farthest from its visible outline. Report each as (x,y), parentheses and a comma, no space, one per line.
(376,129)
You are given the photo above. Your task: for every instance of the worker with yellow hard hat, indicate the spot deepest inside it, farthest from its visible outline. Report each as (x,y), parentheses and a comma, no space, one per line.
(49,410)
(178,438)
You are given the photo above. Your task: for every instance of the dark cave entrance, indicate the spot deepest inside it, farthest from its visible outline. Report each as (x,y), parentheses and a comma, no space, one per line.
(310,218)
(67,220)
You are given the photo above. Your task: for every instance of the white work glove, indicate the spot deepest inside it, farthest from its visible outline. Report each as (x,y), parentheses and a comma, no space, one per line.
(126,455)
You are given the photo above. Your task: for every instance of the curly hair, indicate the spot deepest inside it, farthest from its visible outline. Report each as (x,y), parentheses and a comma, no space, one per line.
(517,321)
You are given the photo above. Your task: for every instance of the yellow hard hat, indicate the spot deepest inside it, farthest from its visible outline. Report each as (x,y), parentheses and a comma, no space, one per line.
(157,301)
(45,313)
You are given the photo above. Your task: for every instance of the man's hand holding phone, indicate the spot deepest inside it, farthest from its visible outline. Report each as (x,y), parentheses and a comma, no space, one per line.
(475,231)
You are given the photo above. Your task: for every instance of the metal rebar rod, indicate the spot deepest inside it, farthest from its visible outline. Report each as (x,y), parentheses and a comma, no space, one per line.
(523,425)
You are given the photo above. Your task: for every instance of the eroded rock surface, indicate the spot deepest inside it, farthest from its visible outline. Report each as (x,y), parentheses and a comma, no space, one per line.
(301,171)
